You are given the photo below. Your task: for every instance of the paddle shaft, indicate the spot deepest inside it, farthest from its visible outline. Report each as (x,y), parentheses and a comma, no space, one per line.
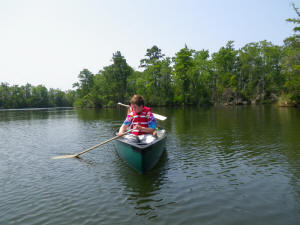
(102,143)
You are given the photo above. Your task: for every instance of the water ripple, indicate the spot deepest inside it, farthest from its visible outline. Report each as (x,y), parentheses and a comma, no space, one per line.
(218,169)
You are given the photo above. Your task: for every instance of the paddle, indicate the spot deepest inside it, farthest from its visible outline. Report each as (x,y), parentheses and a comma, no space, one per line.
(157,116)
(89,149)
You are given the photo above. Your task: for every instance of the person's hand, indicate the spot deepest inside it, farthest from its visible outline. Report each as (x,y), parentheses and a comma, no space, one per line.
(120,134)
(154,133)
(138,127)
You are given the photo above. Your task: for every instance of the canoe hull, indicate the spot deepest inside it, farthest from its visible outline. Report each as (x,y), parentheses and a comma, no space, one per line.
(141,158)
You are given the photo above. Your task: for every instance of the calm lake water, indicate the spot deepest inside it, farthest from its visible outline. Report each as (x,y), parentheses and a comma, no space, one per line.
(237,165)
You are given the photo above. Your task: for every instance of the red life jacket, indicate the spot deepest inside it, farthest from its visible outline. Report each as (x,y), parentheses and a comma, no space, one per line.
(141,119)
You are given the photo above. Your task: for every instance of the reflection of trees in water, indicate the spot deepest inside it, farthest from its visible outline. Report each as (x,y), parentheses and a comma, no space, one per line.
(261,138)
(143,189)
(227,129)
(106,114)
(34,114)
(113,116)
(289,119)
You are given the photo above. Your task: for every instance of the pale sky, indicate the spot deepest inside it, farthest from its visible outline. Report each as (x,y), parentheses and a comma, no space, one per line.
(49,42)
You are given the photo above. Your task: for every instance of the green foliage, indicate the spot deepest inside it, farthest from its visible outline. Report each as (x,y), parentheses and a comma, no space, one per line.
(286,100)
(156,77)
(259,72)
(115,78)
(225,73)
(260,66)
(86,82)
(291,62)
(86,101)
(183,70)
(33,96)
(250,74)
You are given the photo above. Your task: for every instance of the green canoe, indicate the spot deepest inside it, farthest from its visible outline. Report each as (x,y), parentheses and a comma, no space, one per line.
(139,156)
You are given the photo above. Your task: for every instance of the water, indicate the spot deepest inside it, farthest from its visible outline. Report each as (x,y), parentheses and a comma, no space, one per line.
(236,165)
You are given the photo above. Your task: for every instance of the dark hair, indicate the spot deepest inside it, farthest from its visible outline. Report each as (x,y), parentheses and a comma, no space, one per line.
(137,100)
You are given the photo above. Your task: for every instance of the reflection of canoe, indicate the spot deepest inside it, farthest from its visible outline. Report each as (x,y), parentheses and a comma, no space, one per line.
(142,157)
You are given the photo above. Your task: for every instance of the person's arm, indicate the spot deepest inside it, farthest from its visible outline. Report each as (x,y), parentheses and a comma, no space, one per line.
(127,122)
(122,129)
(147,130)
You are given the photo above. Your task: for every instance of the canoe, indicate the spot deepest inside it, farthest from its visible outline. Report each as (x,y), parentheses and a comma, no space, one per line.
(140,156)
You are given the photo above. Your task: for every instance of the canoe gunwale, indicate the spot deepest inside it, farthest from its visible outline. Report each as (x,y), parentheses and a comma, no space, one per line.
(141,147)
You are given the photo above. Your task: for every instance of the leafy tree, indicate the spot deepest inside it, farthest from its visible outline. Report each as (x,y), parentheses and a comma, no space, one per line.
(152,56)
(17,97)
(260,77)
(202,79)
(30,96)
(4,95)
(58,98)
(291,62)
(84,87)
(136,84)
(86,81)
(166,81)
(157,76)
(182,69)
(70,97)
(121,71)
(40,96)
(116,77)
(225,73)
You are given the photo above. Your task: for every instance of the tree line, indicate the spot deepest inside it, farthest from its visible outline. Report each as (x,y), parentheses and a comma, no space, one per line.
(27,96)
(259,72)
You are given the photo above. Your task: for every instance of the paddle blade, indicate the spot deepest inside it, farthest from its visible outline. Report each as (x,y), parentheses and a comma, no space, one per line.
(159,117)
(64,156)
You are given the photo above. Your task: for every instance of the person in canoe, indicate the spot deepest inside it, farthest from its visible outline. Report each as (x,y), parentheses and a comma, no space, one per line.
(141,120)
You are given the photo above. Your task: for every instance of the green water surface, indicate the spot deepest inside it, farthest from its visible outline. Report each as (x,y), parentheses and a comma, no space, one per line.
(238,165)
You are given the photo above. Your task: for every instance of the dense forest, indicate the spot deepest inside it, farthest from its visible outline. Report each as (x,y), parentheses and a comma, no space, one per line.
(28,96)
(258,73)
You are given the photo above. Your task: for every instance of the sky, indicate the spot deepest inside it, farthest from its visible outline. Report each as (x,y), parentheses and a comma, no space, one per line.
(49,42)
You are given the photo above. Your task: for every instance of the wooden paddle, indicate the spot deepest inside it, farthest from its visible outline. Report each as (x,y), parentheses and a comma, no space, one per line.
(89,149)
(157,116)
